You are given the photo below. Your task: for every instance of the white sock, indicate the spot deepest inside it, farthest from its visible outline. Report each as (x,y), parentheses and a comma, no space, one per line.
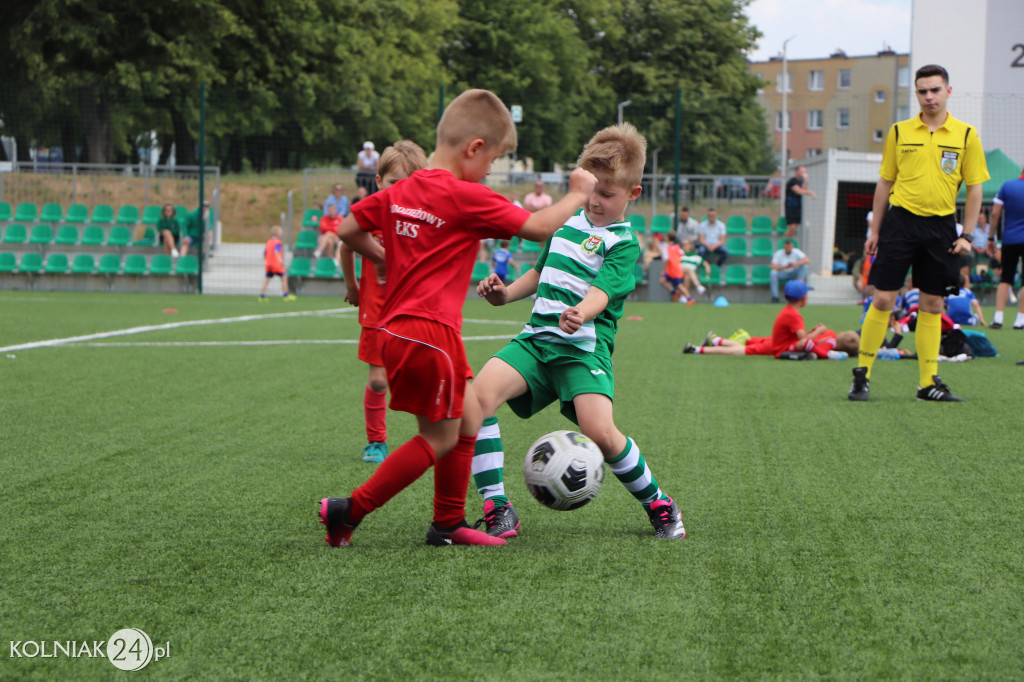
(1019,322)
(997,317)
(701,289)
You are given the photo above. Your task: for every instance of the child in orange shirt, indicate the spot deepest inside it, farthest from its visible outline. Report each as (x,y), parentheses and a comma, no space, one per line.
(273,264)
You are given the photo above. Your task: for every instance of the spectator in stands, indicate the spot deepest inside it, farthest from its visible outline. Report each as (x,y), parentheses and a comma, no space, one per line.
(687,229)
(169,230)
(672,276)
(273,265)
(796,189)
(328,240)
(366,168)
(692,260)
(537,199)
(652,252)
(195,228)
(788,263)
(338,199)
(712,238)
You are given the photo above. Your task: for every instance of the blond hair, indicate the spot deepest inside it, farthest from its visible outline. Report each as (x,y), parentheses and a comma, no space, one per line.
(848,342)
(620,151)
(405,156)
(477,114)
(275,230)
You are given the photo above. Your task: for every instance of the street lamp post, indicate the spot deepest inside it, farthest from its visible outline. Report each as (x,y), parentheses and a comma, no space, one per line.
(623,105)
(783,154)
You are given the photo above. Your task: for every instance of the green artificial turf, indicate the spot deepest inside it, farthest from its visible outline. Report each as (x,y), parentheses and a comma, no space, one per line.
(174,488)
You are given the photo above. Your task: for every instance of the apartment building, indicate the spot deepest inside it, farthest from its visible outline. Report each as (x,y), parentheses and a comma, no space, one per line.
(837,102)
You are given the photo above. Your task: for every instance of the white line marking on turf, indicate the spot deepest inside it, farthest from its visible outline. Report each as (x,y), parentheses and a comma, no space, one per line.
(282,342)
(49,343)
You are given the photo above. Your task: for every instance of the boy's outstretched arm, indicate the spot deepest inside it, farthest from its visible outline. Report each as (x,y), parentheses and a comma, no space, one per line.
(545,222)
(590,307)
(496,293)
(361,242)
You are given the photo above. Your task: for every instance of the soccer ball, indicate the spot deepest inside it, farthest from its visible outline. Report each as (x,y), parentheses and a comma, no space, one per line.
(563,470)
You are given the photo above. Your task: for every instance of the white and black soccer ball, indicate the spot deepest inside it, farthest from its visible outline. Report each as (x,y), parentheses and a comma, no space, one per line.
(563,470)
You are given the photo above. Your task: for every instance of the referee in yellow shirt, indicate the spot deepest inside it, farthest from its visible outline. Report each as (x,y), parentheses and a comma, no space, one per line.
(925,161)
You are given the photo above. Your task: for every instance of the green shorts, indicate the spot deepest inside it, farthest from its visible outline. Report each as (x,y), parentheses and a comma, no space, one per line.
(555,371)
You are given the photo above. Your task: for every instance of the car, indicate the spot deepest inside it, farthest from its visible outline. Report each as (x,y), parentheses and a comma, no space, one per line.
(773,190)
(732,188)
(669,186)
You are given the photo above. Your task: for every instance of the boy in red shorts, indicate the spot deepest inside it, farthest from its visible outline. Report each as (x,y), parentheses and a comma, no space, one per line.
(788,335)
(431,225)
(397,162)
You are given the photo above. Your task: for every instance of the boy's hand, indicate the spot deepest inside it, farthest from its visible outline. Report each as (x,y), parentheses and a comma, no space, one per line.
(570,320)
(582,181)
(352,294)
(493,290)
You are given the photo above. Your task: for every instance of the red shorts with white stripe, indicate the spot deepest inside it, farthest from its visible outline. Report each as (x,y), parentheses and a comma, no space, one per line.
(427,367)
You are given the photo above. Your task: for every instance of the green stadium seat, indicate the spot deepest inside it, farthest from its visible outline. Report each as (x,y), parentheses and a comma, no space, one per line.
(359,267)
(8,262)
(127,215)
(161,264)
(51,213)
(761,224)
(119,236)
(736,224)
(187,265)
(77,213)
(25,213)
(302,267)
(150,215)
(110,264)
(102,214)
(761,274)
(57,264)
(67,235)
(135,264)
(149,238)
(661,224)
(638,222)
(306,240)
(527,246)
(15,234)
(761,247)
(84,264)
(713,277)
(512,272)
(481,271)
(736,275)
(41,235)
(93,235)
(311,218)
(5,211)
(780,225)
(31,262)
(325,268)
(736,246)
(181,212)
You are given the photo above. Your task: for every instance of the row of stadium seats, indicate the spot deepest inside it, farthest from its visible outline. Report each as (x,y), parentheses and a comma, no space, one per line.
(70,235)
(101,214)
(737,224)
(737,275)
(760,247)
(108,264)
(325,268)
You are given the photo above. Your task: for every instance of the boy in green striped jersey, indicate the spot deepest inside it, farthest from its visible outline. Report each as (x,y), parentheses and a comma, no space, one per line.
(581,279)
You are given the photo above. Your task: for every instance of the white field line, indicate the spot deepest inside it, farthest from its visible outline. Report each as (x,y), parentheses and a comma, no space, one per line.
(87,339)
(49,343)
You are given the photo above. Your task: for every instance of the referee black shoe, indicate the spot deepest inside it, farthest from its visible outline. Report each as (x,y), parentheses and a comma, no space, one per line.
(938,392)
(861,384)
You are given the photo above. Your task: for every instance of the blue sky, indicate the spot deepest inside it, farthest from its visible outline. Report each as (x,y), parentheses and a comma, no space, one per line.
(859,27)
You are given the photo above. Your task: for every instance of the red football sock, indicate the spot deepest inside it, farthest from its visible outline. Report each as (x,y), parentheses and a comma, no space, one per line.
(451,481)
(398,471)
(375,409)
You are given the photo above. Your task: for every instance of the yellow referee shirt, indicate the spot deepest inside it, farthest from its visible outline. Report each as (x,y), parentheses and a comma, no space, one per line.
(927,168)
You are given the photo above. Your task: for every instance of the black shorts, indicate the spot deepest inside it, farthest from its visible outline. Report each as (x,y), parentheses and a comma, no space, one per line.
(794,213)
(1011,254)
(906,241)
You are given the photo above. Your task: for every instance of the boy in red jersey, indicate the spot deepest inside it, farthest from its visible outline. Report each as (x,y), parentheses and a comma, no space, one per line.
(273,264)
(397,162)
(431,224)
(788,335)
